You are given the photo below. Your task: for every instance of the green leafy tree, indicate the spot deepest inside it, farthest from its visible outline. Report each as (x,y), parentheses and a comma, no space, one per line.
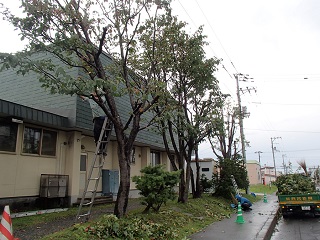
(67,36)
(157,186)
(192,90)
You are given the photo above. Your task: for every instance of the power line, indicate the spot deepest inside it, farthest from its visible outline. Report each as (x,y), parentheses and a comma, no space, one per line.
(223,66)
(224,50)
(216,36)
(187,13)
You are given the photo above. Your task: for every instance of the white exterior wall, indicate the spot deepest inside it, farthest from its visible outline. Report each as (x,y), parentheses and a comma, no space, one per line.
(203,166)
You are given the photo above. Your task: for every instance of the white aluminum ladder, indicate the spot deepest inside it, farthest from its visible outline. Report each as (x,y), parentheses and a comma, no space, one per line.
(235,185)
(94,176)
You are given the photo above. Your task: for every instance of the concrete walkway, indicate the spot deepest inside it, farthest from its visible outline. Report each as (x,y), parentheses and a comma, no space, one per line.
(259,224)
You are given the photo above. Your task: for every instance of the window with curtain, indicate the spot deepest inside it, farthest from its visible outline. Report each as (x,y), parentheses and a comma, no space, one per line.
(39,141)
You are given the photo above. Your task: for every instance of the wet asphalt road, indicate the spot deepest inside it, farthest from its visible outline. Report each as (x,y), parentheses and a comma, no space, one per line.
(297,228)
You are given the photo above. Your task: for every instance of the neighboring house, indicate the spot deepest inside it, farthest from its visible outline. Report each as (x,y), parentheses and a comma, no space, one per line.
(207,167)
(268,175)
(42,133)
(254,171)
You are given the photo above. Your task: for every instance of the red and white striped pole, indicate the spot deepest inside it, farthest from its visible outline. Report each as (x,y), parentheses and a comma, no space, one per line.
(6,225)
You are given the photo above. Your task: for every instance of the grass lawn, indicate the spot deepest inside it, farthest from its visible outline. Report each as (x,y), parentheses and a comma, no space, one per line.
(182,219)
(260,188)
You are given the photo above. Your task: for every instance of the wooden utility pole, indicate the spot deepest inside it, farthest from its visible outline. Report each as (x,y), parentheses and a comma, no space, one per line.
(259,152)
(242,114)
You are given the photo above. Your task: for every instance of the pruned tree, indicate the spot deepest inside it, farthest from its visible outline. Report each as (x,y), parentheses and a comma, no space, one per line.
(224,128)
(101,40)
(224,145)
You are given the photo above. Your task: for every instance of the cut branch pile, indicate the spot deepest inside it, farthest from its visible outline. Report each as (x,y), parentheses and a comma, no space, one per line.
(294,184)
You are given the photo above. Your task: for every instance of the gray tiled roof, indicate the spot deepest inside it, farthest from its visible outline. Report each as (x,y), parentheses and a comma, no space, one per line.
(27,91)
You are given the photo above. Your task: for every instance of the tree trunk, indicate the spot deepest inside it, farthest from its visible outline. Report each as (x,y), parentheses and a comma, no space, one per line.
(198,187)
(124,187)
(188,177)
(193,187)
(146,210)
(182,187)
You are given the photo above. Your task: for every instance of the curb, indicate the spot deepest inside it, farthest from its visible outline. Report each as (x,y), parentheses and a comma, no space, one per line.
(267,229)
(273,224)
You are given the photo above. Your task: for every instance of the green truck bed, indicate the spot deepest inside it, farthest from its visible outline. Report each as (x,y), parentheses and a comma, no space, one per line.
(299,203)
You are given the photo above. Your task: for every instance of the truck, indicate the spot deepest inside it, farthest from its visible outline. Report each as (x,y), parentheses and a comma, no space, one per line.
(299,204)
(297,194)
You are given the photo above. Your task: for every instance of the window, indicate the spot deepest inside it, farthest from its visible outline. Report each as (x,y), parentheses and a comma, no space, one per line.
(133,156)
(8,136)
(31,140)
(83,162)
(205,169)
(155,158)
(39,141)
(49,140)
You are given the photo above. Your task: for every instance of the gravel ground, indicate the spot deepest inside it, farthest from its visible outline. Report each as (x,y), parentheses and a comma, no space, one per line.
(38,231)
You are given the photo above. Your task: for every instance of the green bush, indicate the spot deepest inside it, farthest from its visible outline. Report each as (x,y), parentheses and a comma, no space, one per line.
(156,186)
(206,184)
(222,181)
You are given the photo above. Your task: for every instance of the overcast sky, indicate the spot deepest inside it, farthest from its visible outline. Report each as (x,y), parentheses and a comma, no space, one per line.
(275,42)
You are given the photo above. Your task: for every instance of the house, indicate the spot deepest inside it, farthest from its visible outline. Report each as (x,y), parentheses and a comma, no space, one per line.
(254,171)
(207,167)
(268,175)
(44,134)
